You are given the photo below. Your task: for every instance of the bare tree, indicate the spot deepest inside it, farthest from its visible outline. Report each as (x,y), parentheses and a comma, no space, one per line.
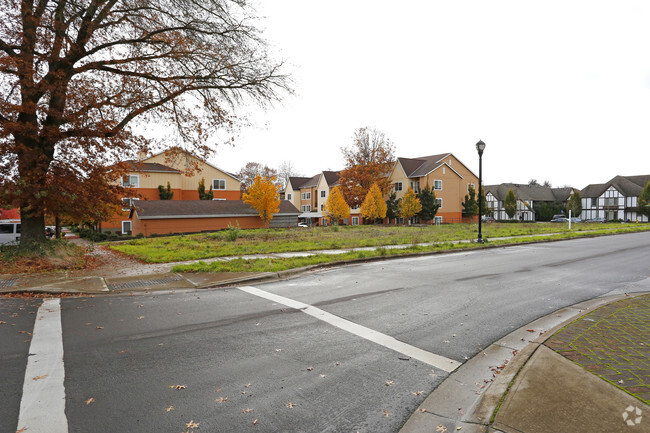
(76,75)
(251,170)
(287,170)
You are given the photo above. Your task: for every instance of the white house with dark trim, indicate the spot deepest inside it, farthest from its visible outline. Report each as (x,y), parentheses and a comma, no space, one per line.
(527,196)
(617,199)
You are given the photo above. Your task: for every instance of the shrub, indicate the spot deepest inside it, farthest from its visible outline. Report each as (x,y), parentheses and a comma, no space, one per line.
(232,232)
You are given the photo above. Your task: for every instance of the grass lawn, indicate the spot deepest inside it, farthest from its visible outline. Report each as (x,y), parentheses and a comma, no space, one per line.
(259,241)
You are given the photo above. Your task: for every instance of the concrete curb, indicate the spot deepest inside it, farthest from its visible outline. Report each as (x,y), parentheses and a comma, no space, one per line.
(498,365)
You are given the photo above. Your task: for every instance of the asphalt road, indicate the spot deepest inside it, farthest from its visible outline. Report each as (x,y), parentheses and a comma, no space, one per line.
(244,362)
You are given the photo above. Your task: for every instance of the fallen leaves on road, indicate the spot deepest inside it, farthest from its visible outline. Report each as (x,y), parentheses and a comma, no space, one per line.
(139,318)
(255,421)
(246,410)
(386,413)
(121,352)
(99,327)
(169,409)
(2,322)
(291,405)
(21,430)
(417,393)
(530,330)
(40,377)
(441,428)
(389,382)
(90,400)
(178,386)
(222,400)
(310,368)
(192,425)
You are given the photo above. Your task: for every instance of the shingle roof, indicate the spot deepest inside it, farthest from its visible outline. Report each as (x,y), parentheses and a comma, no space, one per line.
(311,182)
(332,177)
(160,209)
(629,186)
(296,181)
(134,165)
(529,192)
(421,166)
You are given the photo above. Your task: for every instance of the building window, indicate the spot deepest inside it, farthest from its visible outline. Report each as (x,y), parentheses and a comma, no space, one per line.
(437,220)
(322,207)
(472,185)
(131,181)
(398,186)
(218,184)
(126,227)
(288,196)
(306,208)
(611,201)
(594,202)
(322,194)
(437,185)
(400,220)
(415,186)
(355,221)
(439,203)
(127,203)
(306,195)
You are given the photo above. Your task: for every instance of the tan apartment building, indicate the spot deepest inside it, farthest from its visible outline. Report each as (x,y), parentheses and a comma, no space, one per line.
(447,176)
(146,174)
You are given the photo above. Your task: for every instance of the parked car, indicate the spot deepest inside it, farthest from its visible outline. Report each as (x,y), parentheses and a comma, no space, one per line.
(302,225)
(559,219)
(576,220)
(487,219)
(597,220)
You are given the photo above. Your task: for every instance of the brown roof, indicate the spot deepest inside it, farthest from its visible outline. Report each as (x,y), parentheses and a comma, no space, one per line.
(332,177)
(134,165)
(162,209)
(629,186)
(529,192)
(296,182)
(421,166)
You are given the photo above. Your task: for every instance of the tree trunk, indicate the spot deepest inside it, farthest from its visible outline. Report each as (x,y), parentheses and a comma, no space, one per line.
(32,229)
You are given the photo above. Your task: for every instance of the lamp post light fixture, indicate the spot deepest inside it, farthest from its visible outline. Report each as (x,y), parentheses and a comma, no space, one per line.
(480,147)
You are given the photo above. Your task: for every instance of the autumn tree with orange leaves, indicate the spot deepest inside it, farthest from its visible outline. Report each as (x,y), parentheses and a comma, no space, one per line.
(263,195)
(374,207)
(410,205)
(336,208)
(82,80)
(369,160)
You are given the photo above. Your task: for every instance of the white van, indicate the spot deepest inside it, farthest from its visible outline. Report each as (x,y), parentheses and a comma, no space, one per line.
(9,231)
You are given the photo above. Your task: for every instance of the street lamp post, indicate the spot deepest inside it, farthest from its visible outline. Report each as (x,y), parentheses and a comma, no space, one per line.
(480,146)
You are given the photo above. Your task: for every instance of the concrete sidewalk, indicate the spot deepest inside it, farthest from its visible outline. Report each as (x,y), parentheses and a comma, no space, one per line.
(590,373)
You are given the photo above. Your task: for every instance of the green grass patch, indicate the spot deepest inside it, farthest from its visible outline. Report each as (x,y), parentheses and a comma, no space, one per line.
(281,264)
(264,241)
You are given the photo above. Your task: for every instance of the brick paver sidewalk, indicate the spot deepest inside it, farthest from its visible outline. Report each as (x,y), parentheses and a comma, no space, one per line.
(612,342)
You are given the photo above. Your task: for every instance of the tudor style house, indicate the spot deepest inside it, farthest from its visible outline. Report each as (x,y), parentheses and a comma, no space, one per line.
(527,196)
(310,194)
(146,174)
(617,199)
(449,179)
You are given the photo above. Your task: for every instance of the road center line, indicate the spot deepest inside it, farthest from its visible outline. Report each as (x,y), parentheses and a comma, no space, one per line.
(437,361)
(42,408)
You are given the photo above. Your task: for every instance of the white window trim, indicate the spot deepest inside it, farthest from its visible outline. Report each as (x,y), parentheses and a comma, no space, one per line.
(130,224)
(289,196)
(437,219)
(130,184)
(401,187)
(355,218)
(439,200)
(323,193)
(305,196)
(214,187)
(434,185)
(306,208)
(131,200)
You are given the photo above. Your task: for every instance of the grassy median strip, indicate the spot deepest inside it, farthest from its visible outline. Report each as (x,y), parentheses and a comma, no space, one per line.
(237,242)
(281,264)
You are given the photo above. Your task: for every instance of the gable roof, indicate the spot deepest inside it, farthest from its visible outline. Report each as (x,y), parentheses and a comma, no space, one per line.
(150,167)
(332,177)
(311,182)
(166,209)
(297,181)
(529,192)
(629,186)
(421,166)
(187,152)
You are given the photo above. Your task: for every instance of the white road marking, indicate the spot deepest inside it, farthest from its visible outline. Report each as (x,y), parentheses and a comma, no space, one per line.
(42,408)
(437,361)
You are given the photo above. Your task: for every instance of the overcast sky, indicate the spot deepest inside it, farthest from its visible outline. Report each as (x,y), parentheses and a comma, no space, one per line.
(558,90)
